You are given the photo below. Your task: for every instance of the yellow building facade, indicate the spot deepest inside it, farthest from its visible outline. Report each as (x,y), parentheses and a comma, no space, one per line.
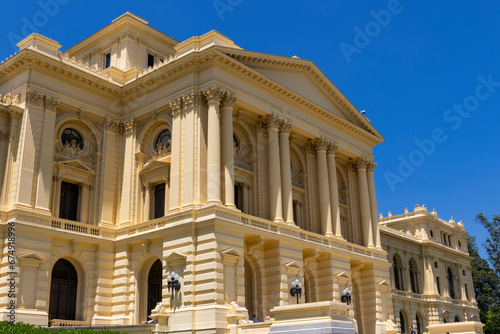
(132,158)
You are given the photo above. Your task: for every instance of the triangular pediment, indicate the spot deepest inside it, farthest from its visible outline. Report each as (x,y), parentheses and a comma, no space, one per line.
(155,165)
(305,80)
(31,257)
(230,253)
(175,257)
(77,166)
(293,266)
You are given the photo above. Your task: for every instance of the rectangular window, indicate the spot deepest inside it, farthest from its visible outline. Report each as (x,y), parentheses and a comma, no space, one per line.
(151,60)
(159,200)
(238,196)
(107,60)
(438,285)
(68,205)
(466,292)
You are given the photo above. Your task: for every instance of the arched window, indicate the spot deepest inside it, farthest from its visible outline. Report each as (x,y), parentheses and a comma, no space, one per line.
(249,289)
(414,276)
(402,322)
(163,139)
(63,287)
(457,319)
(450,284)
(236,143)
(398,279)
(417,320)
(154,285)
(72,137)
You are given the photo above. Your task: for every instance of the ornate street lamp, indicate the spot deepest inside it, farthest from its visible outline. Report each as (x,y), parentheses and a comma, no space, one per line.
(296,289)
(346,297)
(173,282)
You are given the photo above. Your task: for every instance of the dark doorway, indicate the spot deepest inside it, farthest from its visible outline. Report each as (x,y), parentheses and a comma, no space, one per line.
(154,285)
(159,200)
(63,287)
(68,206)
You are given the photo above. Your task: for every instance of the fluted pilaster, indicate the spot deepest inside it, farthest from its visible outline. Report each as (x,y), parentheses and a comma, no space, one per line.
(213,96)
(286,171)
(227,148)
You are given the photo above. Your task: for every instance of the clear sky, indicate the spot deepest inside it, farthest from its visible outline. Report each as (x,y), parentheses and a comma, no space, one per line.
(426,72)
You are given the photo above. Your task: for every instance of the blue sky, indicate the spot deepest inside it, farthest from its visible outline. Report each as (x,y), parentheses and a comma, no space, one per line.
(426,72)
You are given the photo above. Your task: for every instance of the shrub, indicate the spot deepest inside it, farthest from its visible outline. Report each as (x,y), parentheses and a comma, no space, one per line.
(21,328)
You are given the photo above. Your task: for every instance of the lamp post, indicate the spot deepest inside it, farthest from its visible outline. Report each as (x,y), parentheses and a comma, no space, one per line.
(346,296)
(296,289)
(173,283)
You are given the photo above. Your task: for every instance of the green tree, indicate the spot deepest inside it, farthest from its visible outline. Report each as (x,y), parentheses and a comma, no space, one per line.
(485,280)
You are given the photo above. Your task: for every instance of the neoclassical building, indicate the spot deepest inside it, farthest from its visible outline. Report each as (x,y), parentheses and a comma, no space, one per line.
(132,158)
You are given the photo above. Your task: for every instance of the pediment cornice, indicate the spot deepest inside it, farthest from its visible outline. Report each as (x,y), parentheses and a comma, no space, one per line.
(76,166)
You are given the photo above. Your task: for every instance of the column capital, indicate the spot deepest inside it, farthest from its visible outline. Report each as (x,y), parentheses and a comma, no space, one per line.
(33,98)
(228,100)
(358,163)
(128,126)
(190,99)
(112,125)
(371,166)
(332,148)
(51,103)
(176,105)
(270,121)
(322,144)
(310,147)
(285,126)
(213,94)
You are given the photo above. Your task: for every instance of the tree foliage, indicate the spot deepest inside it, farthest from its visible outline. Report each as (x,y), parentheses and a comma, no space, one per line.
(21,328)
(487,280)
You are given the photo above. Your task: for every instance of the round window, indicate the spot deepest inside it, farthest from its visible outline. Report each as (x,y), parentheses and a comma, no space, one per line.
(71,137)
(163,139)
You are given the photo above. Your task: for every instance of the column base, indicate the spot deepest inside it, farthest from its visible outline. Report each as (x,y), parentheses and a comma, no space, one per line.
(291,223)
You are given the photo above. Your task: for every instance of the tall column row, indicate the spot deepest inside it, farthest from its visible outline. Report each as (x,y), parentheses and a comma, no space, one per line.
(367,200)
(327,185)
(280,172)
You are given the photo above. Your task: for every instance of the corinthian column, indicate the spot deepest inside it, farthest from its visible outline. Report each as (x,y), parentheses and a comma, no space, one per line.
(213,96)
(334,190)
(373,204)
(286,171)
(324,186)
(228,148)
(364,202)
(175,155)
(272,122)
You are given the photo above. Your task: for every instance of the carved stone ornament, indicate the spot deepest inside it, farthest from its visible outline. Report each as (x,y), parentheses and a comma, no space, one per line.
(332,148)
(285,126)
(359,163)
(213,94)
(189,100)
(270,121)
(112,125)
(159,309)
(322,144)
(371,166)
(34,98)
(162,150)
(51,103)
(228,100)
(73,151)
(128,126)
(352,166)
(176,105)
(311,147)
